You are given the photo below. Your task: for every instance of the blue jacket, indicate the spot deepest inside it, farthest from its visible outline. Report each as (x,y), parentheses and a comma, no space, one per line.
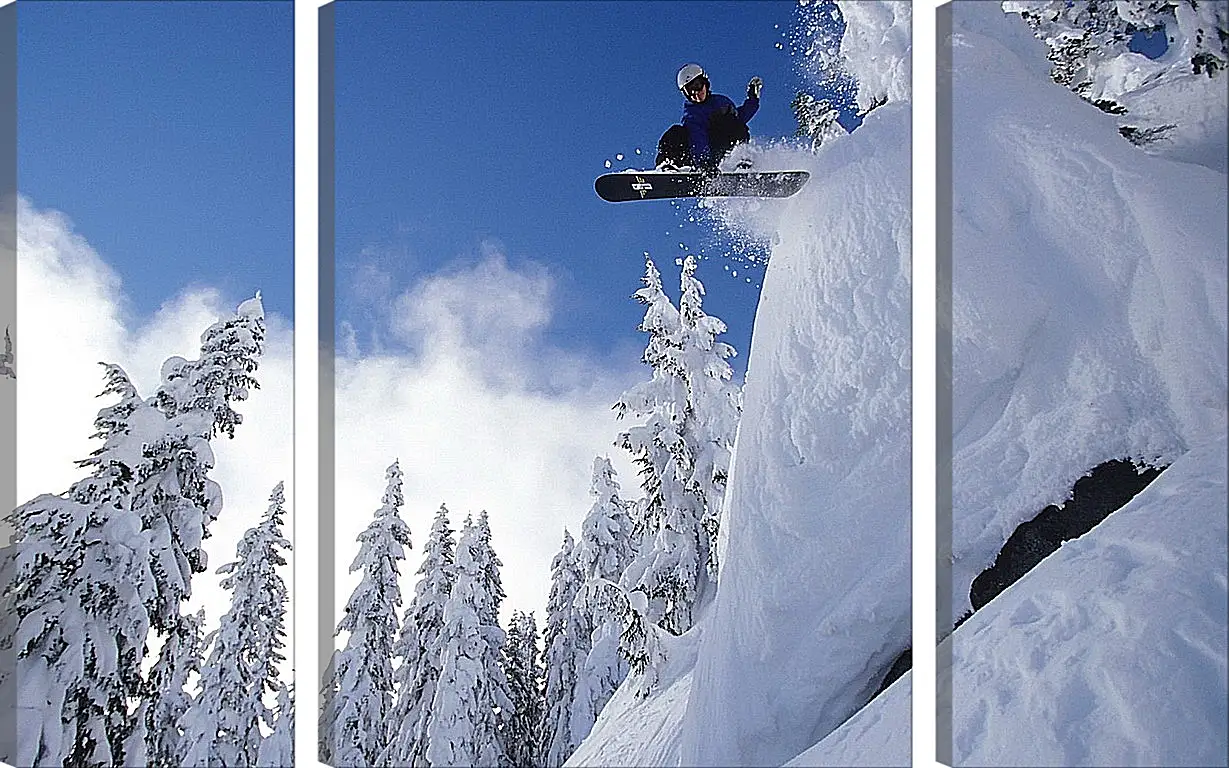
(696,117)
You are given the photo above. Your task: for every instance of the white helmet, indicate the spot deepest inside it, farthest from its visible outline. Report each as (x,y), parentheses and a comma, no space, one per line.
(688,73)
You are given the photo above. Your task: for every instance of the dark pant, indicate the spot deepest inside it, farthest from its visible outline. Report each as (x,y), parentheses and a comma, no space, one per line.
(724,132)
(674,146)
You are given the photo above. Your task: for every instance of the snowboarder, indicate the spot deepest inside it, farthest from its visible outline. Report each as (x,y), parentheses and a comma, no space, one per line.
(711,125)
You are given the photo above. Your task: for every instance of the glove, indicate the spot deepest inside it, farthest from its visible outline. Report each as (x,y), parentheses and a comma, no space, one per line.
(753,87)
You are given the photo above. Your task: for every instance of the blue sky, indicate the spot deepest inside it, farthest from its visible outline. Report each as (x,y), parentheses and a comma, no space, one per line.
(464,123)
(164,131)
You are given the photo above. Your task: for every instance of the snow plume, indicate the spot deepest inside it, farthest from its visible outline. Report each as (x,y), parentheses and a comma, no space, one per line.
(72,314)
(495,417)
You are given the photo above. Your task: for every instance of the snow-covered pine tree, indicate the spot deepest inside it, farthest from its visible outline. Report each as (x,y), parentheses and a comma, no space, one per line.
(222,725)
(128,534)
(277,749)
(602,556)
(640,639)
(362,673)
(691,412)
(418,648)
(520,727)
(472,688)
(261,557)
(77,587)
(565,648)
(1078,34)
(661,400)
(715,406)
(669,566)
(327,716)
(6,357)
(174,495)
(167,698)
(493,590)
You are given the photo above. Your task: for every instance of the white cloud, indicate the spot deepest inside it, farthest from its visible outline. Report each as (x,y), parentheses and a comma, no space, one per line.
(483,413)
(70,316)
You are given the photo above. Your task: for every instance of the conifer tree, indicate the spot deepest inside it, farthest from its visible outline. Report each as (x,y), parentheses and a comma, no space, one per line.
(472,688)
(167,697)
(691,411)
(817,119)
(520,726)
(489,562)
(277,749)
(604,552)
(362,674)
(715,407)
(6,357)
(661,402)
(91,571)
(1086,39)
(174,496)
(222,725)
(418,648)
(566,648)
(77,582)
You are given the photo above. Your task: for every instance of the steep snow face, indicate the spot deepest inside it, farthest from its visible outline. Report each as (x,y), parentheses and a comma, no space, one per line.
(813,599)
(1089,292)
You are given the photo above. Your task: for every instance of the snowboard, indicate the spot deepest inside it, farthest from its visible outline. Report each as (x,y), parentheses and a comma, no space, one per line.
(664,185)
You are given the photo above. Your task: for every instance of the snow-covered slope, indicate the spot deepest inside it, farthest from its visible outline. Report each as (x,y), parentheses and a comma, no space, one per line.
(878,736)
(1112,651)
(636,730)
(1089,323)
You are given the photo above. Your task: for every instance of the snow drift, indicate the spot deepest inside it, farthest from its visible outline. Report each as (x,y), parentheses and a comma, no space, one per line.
(1110,652)
(1089,293)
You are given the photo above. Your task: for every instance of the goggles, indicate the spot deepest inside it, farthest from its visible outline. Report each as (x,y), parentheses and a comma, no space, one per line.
(695,86)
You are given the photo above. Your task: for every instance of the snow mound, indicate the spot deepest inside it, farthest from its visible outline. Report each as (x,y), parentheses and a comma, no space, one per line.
(1089,293)
(877,49)
(813,598)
